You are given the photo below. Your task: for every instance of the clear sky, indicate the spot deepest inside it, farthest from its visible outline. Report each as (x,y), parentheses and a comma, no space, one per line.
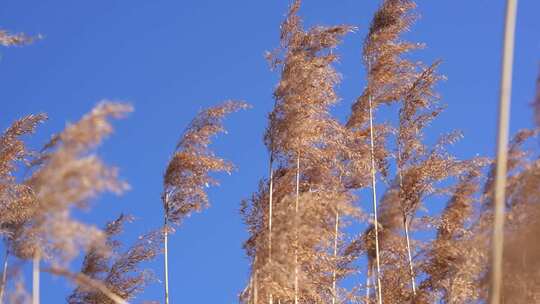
(172,58)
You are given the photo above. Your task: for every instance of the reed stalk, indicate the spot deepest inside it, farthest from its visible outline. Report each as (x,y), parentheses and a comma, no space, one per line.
(502,152)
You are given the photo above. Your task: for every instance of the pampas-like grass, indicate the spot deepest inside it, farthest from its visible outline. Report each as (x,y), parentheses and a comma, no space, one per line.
(188,172)
(113,276)
(66,175)
(299,247)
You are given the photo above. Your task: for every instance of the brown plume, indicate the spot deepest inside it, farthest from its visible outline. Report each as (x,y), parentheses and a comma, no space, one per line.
(187,174)
(15,198)
(66,175)
(117,270)
(7,39)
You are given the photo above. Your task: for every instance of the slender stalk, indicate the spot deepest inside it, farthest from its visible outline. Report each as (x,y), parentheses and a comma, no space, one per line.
(35,278)
(411,266)
(84,280)
(296,228)
(166,258)
(502,142)
(405,221)
(334,290)
(336,238)
(166,251)
(374,199)
(4,277)
(270,207)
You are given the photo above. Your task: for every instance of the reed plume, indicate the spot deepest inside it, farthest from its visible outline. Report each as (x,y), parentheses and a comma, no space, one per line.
(66,175)
(188,172)
(8,39)
(15,197)
(300,247)
(521,251)
(449,262)
(520,173)
(272,276)
(389,75)
(14,154)
(117,270)
(394,79)
(306,143)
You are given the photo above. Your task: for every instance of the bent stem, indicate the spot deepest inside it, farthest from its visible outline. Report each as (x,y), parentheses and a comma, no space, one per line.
(86,281)
(411,267)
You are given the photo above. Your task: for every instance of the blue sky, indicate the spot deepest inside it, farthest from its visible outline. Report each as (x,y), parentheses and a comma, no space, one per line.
(172,58)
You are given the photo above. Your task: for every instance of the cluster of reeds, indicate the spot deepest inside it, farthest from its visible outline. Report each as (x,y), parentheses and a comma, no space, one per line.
(324,175)
(36,222)
(319,167)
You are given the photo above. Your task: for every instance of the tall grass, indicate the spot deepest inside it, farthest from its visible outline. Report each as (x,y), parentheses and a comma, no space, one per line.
(299,248)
